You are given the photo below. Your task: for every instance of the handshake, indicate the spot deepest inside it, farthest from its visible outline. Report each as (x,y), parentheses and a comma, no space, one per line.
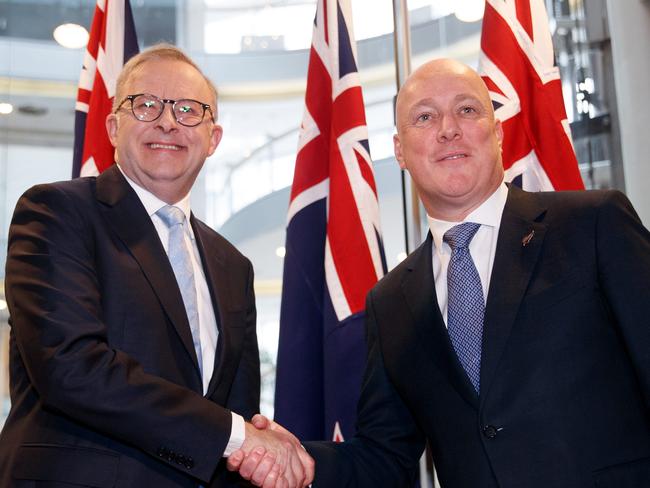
(272,457)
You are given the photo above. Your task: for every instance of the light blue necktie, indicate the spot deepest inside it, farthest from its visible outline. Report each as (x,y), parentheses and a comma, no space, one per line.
(179,257)
(465,306)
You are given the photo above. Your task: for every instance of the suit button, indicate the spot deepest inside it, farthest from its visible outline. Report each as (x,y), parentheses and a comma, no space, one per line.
(490,431)
(162,452)
(189,463)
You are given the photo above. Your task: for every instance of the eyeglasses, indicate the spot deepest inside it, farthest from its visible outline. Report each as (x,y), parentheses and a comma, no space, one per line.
(147,108)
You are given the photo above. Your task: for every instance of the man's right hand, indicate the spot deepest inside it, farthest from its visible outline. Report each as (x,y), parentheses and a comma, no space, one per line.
(272,457)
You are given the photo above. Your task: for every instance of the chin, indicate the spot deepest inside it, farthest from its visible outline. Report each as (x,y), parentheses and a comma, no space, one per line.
(168,171)
(458,185)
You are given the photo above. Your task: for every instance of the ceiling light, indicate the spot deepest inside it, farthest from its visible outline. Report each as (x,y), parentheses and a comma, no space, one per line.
(3,304)
(280,252)
(6,108)
(470,10)
(72,36)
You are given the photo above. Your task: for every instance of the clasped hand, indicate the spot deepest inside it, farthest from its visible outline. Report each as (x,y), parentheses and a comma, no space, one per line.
(272,457)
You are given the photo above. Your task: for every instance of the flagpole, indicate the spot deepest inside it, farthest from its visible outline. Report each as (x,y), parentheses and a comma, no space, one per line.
(410,199)
(412,234)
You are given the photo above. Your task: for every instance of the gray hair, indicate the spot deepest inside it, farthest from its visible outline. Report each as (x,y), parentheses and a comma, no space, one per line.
(161,51)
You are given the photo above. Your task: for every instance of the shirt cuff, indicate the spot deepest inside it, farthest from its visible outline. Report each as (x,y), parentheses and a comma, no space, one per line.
(237,434)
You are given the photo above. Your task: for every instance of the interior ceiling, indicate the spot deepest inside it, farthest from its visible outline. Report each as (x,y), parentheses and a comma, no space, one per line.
(155,19)
(37,19)
(253,4)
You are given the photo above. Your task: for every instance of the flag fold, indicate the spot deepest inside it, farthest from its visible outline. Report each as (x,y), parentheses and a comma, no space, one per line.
(518,65)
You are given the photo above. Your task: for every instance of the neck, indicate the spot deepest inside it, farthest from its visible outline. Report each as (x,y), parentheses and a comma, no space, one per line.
(166,194)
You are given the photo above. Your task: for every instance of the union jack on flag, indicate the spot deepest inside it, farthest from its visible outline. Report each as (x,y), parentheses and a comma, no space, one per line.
(334,253)
(518,66)
(112,42)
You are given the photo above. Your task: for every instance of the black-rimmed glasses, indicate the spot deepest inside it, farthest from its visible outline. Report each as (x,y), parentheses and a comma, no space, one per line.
(147,108)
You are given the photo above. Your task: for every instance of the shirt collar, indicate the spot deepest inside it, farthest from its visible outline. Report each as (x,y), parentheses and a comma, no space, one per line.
(152,203)
(488,213)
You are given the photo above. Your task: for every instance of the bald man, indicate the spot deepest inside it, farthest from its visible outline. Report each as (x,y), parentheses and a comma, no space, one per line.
(516,339)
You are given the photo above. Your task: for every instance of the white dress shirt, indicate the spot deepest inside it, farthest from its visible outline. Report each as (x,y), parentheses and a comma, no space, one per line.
(207,318)
(482,248)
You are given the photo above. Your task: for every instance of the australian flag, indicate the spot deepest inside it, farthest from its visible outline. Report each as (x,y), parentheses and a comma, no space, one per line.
(334,253)
(112,42)
(518,66)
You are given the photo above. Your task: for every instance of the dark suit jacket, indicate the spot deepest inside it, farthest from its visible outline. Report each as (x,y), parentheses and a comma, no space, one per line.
(565,373)
(105,386)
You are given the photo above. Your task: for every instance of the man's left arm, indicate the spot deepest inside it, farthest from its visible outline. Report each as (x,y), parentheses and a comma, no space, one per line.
(623,260)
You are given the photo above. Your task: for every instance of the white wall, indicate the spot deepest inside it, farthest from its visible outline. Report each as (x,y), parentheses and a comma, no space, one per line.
(22,167)
(28,166)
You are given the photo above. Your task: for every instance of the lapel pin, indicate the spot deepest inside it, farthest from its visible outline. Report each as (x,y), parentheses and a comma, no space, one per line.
(527,238)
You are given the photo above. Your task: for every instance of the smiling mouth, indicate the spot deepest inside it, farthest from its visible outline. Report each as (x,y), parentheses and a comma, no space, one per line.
(172,147)
(451,157)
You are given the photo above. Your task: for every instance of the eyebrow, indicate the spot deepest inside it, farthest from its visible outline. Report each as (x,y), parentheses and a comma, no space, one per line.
(466,96)
(458,98)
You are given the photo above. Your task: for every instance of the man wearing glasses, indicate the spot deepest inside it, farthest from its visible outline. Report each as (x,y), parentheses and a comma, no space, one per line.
(134,357)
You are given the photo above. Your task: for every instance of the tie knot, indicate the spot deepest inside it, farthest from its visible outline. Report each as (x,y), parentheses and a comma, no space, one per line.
(460,235)
(171,215)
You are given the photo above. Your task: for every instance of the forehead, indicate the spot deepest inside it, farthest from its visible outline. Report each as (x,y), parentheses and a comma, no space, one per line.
(444,87)
(168,78)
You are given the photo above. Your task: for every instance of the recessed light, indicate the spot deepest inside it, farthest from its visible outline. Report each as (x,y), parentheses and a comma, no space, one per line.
(470,10)
(72,36)
(6,108)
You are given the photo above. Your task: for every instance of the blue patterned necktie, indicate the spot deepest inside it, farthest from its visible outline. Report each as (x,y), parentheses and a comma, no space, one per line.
(465,306)
(179,257)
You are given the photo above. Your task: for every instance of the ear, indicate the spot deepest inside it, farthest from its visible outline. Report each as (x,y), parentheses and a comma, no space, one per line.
(111,128)
(498,130)
(397,145)
(215,138)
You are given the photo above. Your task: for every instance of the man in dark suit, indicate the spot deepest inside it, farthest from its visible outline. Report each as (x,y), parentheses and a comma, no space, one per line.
(134,357)
(515,340)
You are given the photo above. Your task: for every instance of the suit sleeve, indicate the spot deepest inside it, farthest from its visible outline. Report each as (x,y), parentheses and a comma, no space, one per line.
(244,397)
(388,444)
(57,320)
(623,253)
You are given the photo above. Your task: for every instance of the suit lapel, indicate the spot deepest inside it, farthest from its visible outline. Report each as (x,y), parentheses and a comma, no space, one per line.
(520,240)
(129,220)
(419,291)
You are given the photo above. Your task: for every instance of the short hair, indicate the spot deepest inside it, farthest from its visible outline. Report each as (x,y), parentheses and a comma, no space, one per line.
(160,51)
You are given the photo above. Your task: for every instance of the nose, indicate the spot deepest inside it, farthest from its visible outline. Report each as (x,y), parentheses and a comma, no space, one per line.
(449,129)
(167,120)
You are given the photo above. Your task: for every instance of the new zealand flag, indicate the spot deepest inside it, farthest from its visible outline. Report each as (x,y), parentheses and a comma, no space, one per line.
(334,253)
